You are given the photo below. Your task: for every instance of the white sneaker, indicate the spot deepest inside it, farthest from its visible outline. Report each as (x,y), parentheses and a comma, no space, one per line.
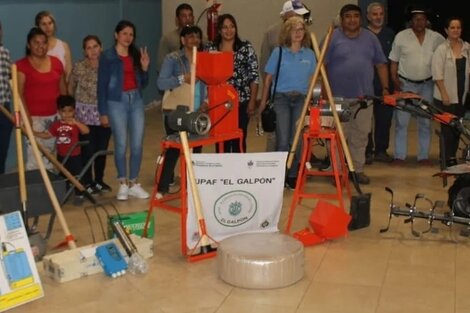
(138,192)
(123,193)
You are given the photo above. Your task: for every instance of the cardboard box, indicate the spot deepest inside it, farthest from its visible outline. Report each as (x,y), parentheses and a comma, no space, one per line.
(134,223)
(19,277)
(81,262)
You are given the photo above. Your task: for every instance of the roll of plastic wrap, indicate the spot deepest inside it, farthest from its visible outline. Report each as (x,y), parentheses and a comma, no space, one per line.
(260,260)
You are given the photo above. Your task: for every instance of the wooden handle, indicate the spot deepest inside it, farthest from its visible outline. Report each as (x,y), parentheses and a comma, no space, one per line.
(192,184)
(42,168)
(189,164)
(313,81)
(19,145)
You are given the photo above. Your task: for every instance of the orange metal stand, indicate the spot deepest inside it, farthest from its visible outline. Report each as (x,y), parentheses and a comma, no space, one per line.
(339,170)
(182,195)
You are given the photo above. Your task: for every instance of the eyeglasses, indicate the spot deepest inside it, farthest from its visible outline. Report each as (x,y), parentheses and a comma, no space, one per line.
(299,30)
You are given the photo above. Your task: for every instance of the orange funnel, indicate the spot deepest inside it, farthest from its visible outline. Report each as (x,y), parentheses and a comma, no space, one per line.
(214,67)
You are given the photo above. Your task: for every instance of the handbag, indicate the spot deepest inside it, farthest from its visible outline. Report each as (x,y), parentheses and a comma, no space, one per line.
(268,116)
(180,95)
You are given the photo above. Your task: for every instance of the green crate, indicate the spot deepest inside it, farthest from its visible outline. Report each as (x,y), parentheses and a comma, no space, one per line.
(134,223)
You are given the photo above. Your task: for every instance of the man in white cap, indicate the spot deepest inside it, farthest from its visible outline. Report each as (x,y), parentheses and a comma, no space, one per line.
(270,41)
(410,69)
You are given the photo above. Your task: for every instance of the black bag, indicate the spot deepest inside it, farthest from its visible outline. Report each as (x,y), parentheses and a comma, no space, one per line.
(268,116)
(360,211)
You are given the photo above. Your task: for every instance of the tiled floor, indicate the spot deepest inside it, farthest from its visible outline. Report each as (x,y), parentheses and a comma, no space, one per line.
(366,272)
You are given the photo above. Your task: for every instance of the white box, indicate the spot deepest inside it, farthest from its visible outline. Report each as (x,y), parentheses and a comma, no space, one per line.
(81,262)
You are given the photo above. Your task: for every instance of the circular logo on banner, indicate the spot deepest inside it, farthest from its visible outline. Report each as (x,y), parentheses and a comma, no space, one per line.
(235,208)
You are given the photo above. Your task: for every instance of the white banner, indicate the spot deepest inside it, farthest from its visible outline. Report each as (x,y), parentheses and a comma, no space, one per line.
(240,192)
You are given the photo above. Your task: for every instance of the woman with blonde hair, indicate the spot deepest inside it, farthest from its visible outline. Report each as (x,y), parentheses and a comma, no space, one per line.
(55,47)
(297,63)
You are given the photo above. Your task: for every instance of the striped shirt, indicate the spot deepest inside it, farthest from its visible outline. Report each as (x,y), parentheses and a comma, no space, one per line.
(5,75)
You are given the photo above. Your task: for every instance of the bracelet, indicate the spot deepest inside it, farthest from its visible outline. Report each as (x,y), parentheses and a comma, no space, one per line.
(181,79)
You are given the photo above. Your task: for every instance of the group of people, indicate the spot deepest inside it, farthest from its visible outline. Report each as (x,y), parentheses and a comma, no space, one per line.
(372,61)
(104,90)
(360,61)
(86,101)
(175,70)
(424,62)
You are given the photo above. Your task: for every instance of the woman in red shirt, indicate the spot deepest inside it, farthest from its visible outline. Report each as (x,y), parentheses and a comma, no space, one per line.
(41,80)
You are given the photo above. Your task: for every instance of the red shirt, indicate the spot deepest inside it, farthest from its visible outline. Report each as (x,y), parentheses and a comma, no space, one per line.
(66,136)
(41,89)
(130,82)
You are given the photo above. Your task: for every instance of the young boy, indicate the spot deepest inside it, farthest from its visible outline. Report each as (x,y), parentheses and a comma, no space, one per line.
(66,130)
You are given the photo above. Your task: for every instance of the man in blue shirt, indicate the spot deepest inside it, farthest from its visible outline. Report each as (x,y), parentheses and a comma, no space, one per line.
(352,56)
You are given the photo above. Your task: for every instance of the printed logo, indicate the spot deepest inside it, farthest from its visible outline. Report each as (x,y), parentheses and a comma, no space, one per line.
(235,208)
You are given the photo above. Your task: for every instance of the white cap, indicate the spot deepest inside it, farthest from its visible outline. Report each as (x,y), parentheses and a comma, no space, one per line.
(294,5)
(418,12)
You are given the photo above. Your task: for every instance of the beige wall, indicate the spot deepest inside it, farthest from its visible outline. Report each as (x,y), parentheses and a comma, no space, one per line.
(255,16)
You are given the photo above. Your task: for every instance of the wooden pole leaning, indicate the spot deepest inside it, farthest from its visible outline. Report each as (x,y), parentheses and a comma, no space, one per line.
(308,98)
(206,250)
(19,145)
(47,182)
(204,239)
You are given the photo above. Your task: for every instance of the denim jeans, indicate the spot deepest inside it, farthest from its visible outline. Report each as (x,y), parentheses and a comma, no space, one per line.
(288,109)
(126,118)
(402,120)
